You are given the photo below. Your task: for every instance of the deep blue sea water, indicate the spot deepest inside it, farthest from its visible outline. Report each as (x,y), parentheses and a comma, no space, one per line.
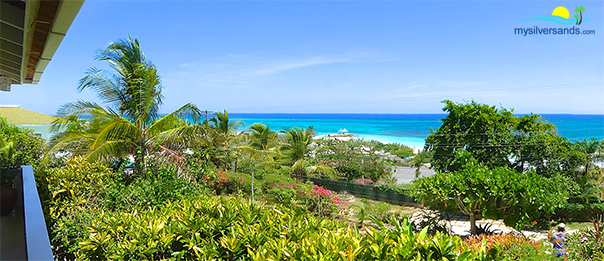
(408,129)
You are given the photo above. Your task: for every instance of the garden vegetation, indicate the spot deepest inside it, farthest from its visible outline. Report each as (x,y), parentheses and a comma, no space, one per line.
(123,182)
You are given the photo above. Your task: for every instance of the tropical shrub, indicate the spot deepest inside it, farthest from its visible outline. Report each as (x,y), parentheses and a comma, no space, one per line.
(507,247)
(73,195)
(351,159)
(68,195)
(161,185)
(232,229)
(28,147)
(578,212)
(270,180)
(587,244)
(223,183)
(500,193)
(311,198)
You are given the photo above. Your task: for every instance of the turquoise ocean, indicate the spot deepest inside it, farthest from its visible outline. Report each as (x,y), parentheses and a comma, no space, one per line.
(408,129)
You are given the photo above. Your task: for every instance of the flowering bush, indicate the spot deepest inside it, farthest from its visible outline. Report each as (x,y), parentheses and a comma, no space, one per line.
(223,182)
(284,194)
(323,202)
(506,246)
(311,197)
(364,181)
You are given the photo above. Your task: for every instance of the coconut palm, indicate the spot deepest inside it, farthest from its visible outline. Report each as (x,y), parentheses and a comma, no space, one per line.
(577,17)
(262,137)
(302,168)
(223,125)
(129,124)
(260,147)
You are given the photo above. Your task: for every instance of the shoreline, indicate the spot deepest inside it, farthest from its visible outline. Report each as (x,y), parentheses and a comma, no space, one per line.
(415,143)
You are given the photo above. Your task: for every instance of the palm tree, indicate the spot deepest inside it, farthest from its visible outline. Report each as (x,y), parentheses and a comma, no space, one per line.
(580,10)
(223,125)
(297,144)
(262,137)
(129,124)
(260,146)
(417,162)
(577,17)
(592,149)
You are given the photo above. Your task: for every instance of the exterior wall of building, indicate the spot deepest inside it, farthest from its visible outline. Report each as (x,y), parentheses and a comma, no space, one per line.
(42,131)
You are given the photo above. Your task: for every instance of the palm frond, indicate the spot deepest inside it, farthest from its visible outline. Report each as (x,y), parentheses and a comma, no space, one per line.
(183,136)
(116,128)
(78,110)
(107,88)
(109,149)
(185,114)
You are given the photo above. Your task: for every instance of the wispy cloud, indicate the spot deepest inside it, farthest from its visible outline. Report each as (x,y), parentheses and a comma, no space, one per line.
(241,71)
(456,83)
(274,67)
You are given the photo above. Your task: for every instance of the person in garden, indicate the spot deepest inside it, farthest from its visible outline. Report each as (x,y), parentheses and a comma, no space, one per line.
(557,238)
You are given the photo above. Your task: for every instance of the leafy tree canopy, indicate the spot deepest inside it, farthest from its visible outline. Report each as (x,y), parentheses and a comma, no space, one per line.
(496,137)
(499,193)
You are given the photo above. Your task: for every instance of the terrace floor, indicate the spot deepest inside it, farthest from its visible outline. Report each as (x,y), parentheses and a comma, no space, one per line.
(12,235)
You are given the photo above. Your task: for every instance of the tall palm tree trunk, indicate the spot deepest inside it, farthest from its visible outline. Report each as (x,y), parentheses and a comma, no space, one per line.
(581,14)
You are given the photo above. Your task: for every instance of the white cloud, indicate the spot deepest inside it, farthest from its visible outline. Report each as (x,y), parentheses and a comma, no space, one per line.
(242,71)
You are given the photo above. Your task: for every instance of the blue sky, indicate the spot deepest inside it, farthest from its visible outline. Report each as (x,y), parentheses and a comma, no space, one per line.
(339,57)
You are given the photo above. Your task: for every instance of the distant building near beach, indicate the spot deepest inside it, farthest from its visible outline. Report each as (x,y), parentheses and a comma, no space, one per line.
(343,131)
(23,118)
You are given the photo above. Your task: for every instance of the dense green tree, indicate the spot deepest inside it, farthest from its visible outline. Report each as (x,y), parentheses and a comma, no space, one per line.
(497,137)
(352,159)
(130,123)
(480,192)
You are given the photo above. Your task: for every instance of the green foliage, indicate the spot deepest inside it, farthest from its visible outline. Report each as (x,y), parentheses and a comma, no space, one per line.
(230,229)
(382,211)
(578,211)
(297,144)
(587,244)
(129,124)
(480,192)
(160,186)
(20,146)
(507,247)
(69,194)
(351,159)
(397,149)
(223,124)
(262,137)
(497,137)
(226,182)
(271,180)
(73,195)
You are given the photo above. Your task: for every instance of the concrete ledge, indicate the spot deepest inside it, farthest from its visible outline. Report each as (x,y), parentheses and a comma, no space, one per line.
(36,235)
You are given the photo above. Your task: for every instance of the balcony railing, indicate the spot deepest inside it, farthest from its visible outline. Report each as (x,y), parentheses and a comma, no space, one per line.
(23,234)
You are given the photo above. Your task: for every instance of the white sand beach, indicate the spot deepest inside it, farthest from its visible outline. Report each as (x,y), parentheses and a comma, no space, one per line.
(415,143)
